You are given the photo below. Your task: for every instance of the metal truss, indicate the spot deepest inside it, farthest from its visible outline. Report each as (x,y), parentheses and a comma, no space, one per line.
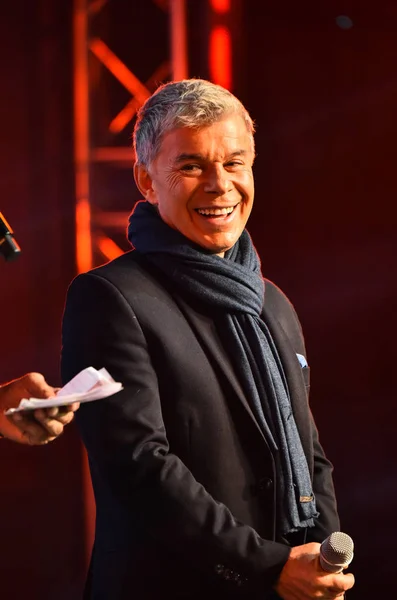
(123,49)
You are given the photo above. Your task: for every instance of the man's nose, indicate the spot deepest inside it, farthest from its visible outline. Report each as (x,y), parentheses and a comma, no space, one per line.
(217,180)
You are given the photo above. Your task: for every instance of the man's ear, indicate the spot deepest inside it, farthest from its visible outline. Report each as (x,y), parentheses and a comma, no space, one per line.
(144,183)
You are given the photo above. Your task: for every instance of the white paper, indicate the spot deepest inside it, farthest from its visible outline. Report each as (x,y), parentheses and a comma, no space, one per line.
(87,386)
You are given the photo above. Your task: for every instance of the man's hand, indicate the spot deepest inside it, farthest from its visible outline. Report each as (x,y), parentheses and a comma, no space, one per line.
(32,427)
(303,578)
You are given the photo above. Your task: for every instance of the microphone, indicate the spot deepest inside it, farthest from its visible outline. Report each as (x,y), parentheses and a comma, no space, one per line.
(336,552)
(9,247)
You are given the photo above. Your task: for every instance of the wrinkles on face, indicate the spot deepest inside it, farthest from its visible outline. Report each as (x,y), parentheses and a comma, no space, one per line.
(208,168)
(172,177)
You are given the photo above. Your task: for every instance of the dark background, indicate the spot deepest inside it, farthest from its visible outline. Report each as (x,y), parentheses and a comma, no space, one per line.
(324,98)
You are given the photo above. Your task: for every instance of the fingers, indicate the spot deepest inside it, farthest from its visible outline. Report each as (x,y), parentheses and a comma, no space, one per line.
(345,582)
(30,431)
(39,427)
(37,386)
(63,414)
(338,587)
(65,418)
(53,426)
(70,408)
(30,385)
(43,425)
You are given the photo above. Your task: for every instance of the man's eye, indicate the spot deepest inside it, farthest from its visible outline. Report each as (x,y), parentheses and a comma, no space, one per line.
(234,163)
(190,168)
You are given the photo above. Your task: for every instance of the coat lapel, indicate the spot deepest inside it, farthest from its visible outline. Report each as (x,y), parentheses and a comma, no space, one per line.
(206,332)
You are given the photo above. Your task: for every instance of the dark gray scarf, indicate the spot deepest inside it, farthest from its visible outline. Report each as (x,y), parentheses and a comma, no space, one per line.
(235,285)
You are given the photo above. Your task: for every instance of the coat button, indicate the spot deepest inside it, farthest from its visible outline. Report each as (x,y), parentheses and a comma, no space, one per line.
(265,484)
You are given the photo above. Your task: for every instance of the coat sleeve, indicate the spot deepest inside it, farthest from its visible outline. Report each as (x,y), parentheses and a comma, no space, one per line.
(127,444)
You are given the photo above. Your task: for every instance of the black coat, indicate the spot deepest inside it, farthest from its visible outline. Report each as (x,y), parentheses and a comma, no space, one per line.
(183,478)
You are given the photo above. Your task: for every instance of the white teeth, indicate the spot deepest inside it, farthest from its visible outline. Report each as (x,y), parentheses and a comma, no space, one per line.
(216,212)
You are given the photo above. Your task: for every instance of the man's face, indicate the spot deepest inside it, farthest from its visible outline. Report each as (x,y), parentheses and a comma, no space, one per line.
(202,183)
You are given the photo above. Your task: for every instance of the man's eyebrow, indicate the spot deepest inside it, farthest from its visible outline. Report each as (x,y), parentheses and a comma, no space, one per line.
(240,152)
(186,156)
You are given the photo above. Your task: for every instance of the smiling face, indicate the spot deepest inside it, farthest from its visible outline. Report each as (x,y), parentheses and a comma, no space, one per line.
(202,183)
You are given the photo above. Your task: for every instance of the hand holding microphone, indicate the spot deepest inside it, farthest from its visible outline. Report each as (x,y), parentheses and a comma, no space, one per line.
(314,571)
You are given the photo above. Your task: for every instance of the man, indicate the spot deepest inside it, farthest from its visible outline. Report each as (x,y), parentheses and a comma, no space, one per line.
(208,474)
(37,427)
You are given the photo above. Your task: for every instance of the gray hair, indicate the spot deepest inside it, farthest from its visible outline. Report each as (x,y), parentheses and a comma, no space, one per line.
(190,103)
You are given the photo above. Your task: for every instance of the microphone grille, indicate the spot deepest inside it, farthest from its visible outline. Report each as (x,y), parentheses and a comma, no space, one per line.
(336,552)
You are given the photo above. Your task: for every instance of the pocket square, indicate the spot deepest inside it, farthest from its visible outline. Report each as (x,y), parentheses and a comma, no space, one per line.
(302,360)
